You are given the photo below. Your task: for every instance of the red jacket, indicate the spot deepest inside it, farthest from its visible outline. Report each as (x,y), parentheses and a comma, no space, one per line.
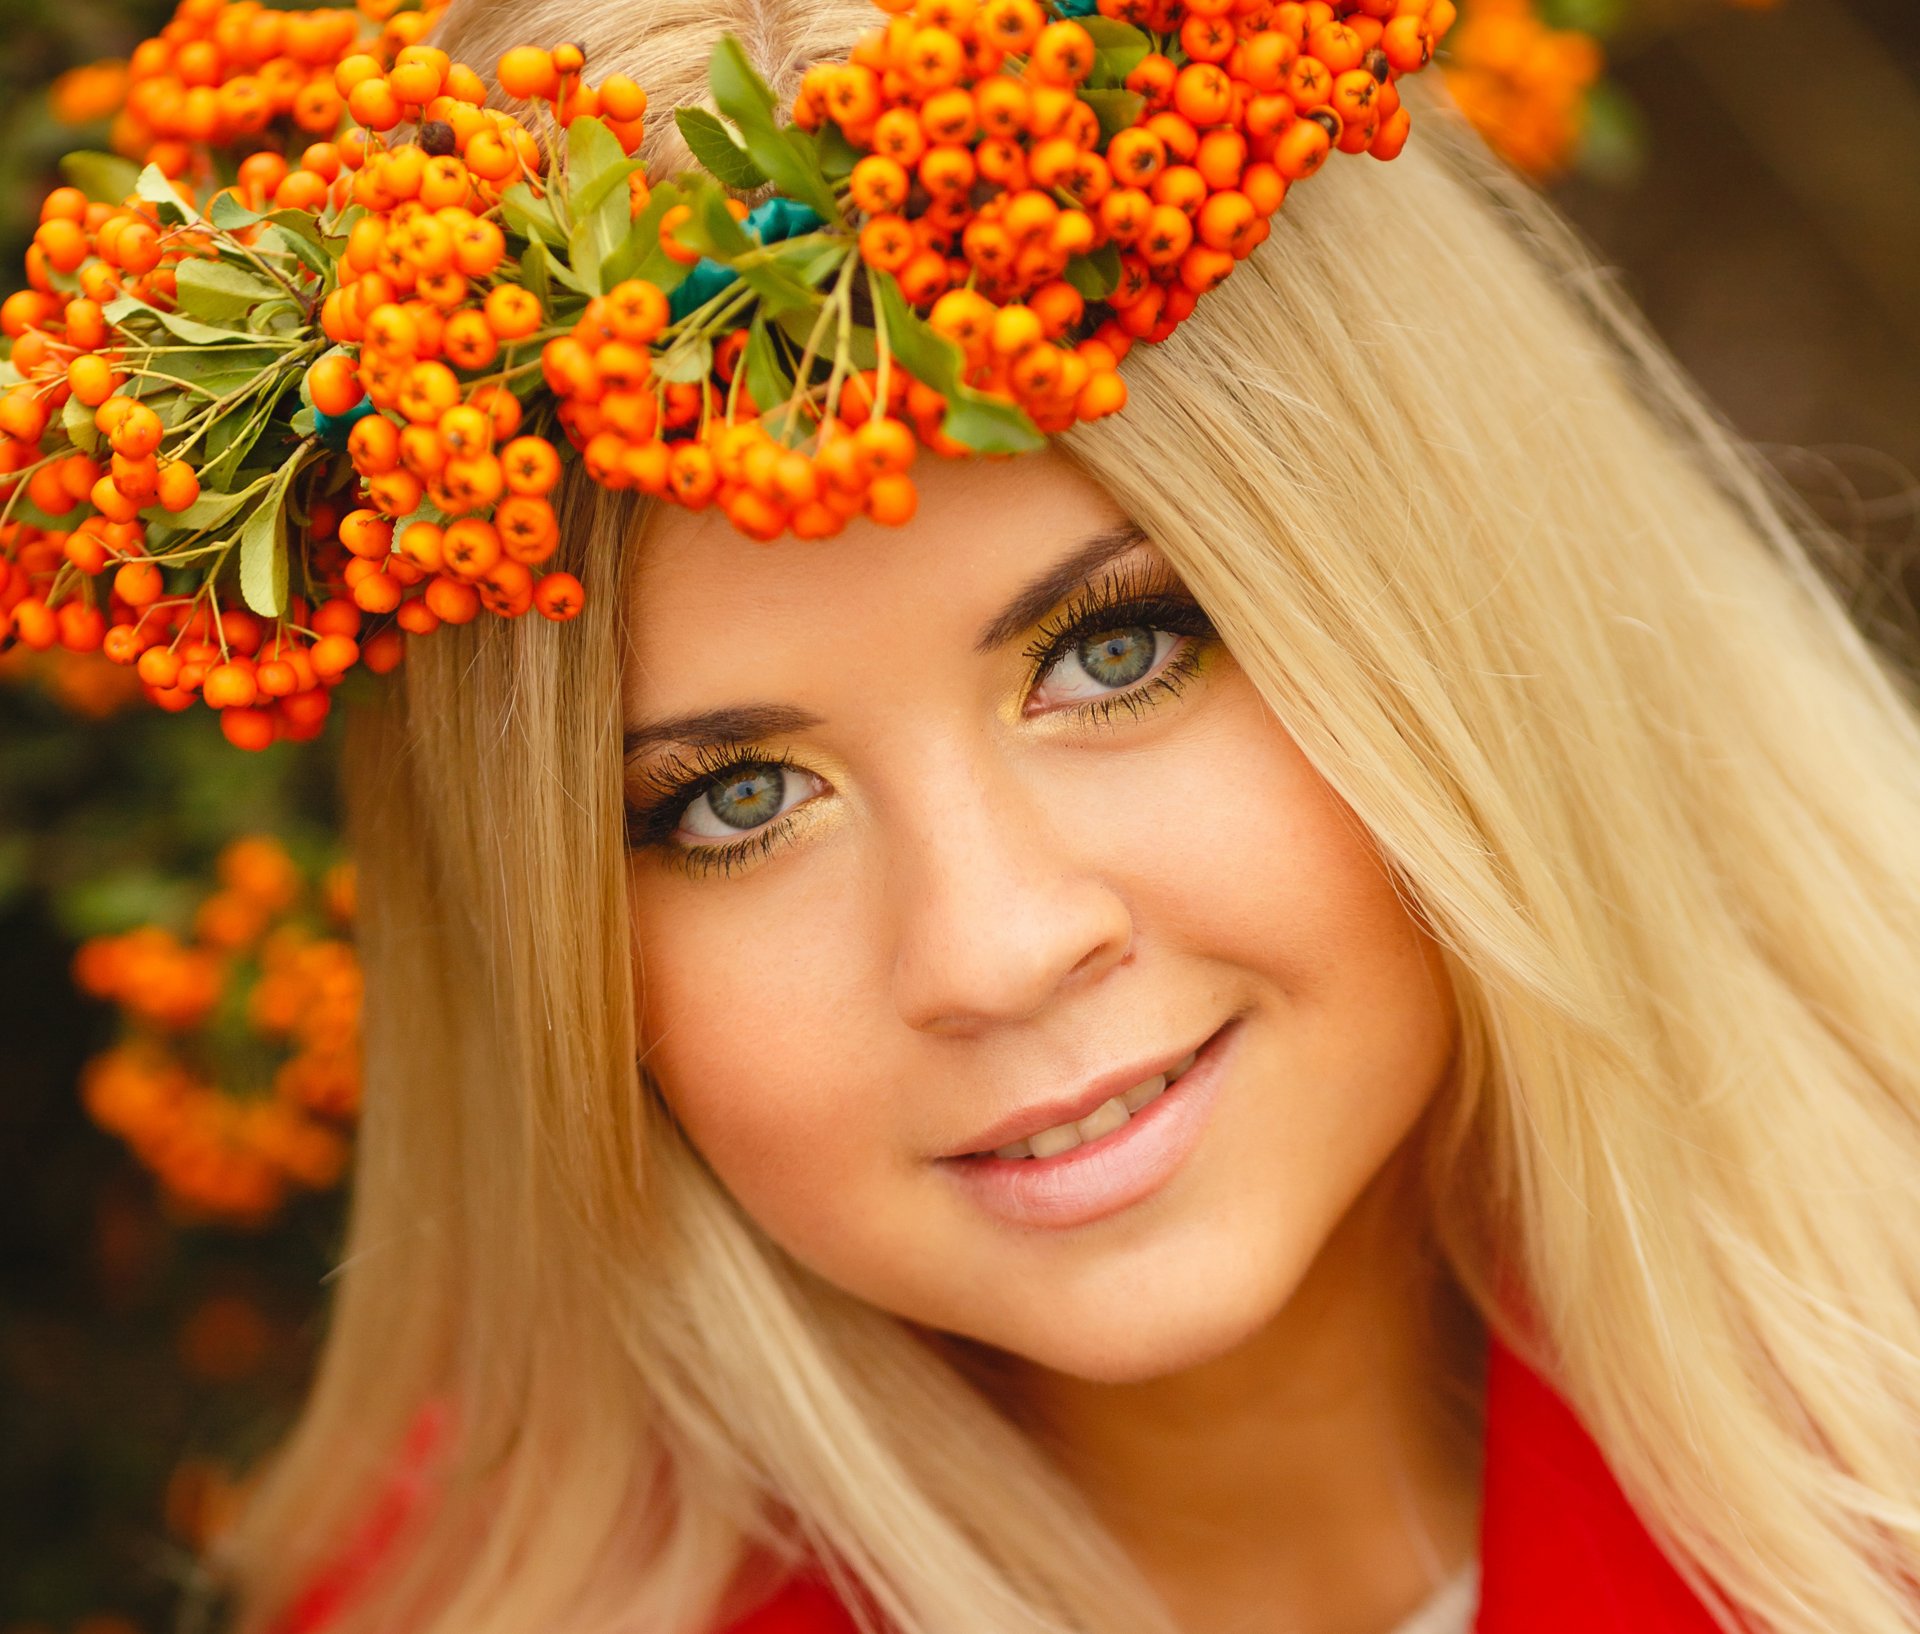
(1561,1552)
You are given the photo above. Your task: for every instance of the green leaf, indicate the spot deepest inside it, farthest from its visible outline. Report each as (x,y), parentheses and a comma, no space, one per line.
(291,232)
(1599,18)
(281,316)
(263,560)
(541,269)
(219,289)
(1118,110)
(767,378)
(838,156)
(687,361)
(198,334)
(76,419)
(105,178)
(1119,48)
(987,424)
(712,144)
(223,370)
(233,435)
(263,544)
(863,349)
(648,259)
(788,157)
(230,215)
(208,511)
(1096,274)
(597,172)
(529,216)
(152,185)
(1613,136)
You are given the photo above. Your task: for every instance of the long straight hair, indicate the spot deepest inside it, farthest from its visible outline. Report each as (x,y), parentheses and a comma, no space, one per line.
(1596,685)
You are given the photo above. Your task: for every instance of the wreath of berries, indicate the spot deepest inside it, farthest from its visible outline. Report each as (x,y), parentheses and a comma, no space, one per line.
(297,372)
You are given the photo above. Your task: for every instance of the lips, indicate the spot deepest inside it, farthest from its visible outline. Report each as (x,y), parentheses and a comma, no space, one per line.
(1031,1120)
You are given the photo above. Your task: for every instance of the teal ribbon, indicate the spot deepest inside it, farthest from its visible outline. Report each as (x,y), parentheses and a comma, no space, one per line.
(767,223)
(334,429)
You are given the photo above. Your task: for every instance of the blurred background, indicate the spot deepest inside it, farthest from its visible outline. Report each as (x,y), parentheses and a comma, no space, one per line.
(178,997)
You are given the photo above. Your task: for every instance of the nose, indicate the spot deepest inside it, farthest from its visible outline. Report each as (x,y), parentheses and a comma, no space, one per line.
(997,909)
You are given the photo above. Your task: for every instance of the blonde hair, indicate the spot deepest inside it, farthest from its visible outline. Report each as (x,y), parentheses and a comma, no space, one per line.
(1567,649)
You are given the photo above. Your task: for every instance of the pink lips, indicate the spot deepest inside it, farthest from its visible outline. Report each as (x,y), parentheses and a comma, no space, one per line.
(1102,1176)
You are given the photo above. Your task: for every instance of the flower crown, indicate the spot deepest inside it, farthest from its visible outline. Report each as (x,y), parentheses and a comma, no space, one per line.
(307,381)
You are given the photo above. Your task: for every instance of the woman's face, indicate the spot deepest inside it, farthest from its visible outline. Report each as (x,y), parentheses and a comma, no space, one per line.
(951,833)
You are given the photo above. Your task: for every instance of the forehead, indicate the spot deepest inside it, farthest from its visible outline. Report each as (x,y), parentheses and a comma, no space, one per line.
(706,599)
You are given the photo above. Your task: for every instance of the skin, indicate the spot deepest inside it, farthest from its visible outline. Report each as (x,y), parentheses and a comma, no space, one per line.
(986,900)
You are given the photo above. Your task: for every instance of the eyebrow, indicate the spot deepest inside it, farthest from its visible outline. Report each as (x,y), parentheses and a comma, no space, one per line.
(1040,594)
(716,728)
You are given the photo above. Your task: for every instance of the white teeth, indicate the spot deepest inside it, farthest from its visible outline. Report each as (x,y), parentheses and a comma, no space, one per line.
(1051,1142)
(1103,1119)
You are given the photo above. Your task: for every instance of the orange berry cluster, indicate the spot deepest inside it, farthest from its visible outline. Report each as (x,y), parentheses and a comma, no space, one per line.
(425,298)
(986,171)
(256,969)
(1024,215)
(225,72)
(1523,83)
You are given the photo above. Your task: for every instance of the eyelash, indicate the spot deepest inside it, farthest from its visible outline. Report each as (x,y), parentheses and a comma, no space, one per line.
(1130,597)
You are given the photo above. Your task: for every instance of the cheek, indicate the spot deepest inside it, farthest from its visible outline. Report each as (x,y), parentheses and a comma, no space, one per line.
(746,1003)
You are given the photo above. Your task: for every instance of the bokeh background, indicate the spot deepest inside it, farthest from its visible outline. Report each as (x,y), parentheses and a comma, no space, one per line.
(1751,171)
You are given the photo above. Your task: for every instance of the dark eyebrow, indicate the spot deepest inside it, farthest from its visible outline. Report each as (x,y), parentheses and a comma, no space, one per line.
(715,728)
(744,723)
(1045,589)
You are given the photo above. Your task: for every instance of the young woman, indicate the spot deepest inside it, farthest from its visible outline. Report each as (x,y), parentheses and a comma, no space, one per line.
(1297,1013)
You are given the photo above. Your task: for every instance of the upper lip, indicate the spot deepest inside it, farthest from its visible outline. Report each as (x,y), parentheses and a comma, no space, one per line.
(1030,1120)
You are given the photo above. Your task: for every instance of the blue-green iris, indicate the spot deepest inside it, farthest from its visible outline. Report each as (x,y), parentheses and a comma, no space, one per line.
(747,802)
(1118,658)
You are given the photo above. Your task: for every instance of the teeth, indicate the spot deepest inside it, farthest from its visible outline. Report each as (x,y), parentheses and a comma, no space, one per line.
(1051,1142)
(1102,1120)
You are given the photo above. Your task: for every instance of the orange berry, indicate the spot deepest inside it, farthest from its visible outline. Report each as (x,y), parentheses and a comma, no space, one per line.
(373,104)
(374,444)
(892,499)
(470,547)
(1202,93)
(513,313)
(559,596)
(137,432)
(137,583)
(23,414)
(230,685)
(334,655)
(452,601)
(1062,55)
(334,383)
(91,379)
(527,72)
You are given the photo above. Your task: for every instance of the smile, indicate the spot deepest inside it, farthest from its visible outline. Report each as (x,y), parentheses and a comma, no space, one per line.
(1103,1120)
(1117,1155)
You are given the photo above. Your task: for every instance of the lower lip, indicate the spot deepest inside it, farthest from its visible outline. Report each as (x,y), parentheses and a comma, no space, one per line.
(1106,1175)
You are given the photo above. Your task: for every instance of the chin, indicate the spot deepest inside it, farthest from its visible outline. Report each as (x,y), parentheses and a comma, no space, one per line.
(1125,1323)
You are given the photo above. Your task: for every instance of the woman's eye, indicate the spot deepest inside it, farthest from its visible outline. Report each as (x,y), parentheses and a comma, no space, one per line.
(747,797)
(1105,662)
